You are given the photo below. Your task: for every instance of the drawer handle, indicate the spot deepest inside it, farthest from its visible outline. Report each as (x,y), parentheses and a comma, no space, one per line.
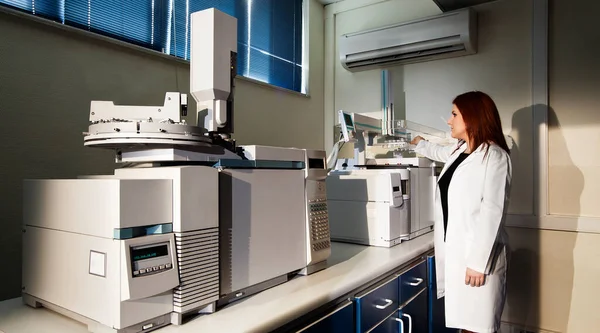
(414,284)
(409,321)
(388,302)
(401,324)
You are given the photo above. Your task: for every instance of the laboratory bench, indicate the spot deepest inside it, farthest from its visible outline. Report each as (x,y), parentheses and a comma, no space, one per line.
(363,289)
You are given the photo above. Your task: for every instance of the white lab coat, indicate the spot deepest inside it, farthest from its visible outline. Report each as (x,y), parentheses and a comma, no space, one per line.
(475,235)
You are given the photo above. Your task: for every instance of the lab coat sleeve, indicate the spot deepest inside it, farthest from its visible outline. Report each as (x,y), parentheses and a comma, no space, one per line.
(495,186)
(434,151)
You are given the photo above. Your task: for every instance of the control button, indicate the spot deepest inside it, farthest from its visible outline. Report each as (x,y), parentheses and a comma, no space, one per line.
(147,326)
(168,265)
(136,273)
(161,267)
(155,268)
(142,271)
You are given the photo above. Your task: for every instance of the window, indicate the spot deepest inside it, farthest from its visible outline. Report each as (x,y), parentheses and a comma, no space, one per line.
(270,32)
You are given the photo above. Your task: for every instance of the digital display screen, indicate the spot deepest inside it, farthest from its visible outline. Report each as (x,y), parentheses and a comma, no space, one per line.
(316,163)
(149,252)
(348,120)
(395,188)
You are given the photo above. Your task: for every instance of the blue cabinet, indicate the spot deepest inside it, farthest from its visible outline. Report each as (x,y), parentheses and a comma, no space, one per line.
(390,325)
(375,304)
(403,302)
(413,281)
(414,315)
(410,318)
(399,305)
(341,320)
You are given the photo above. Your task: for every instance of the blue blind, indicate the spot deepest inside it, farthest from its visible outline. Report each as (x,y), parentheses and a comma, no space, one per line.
(274,45)
(269,31)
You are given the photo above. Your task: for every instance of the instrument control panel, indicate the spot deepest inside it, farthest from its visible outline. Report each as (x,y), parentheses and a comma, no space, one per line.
(150,259)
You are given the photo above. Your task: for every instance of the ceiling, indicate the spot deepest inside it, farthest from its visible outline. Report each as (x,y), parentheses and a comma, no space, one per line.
(444,5)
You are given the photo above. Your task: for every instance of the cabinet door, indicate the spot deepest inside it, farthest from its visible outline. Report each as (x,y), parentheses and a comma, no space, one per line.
(411,318)
(389,325)
(376,304)
(414,315)
(340,320)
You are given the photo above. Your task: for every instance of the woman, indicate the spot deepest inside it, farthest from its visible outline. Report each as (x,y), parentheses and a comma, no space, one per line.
(471,200)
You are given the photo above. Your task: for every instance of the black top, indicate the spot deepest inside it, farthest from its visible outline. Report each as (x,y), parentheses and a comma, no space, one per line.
(444,183)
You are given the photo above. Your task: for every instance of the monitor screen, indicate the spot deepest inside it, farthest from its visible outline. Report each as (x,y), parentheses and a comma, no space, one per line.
(348,120)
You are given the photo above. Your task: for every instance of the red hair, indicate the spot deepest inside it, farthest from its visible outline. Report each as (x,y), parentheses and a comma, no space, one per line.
(481,118)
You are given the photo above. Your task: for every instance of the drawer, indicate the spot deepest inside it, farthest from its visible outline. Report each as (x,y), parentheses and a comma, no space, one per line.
(376,304)
(413,281)
(415,314)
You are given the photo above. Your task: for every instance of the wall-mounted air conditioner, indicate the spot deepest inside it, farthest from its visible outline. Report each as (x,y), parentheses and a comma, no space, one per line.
(443,36)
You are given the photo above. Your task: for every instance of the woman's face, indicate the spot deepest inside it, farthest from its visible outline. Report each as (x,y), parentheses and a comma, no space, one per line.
(458,129)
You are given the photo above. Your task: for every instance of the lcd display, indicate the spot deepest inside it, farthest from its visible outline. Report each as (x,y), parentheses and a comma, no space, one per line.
(149,252)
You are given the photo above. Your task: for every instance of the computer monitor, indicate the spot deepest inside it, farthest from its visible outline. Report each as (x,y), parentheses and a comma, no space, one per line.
(346,125)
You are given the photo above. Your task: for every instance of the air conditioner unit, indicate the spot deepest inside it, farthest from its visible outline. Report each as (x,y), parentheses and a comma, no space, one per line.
(443,36)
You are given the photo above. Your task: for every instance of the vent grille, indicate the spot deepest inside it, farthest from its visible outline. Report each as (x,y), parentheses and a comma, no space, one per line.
(391,59)
(198,260)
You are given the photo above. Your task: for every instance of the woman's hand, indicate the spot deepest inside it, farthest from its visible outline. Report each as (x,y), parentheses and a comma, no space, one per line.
(474,278)
(416,140)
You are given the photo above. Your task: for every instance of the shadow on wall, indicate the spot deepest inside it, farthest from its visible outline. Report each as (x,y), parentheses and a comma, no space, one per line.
(540,276)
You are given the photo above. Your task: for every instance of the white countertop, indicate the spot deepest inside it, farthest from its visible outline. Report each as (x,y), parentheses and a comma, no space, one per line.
(349,267)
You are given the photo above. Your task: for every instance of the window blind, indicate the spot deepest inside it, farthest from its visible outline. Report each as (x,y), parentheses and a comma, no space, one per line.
(269,31)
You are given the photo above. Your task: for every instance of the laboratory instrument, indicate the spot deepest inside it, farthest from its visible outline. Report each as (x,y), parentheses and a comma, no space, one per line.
(188,222)
(385,193)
